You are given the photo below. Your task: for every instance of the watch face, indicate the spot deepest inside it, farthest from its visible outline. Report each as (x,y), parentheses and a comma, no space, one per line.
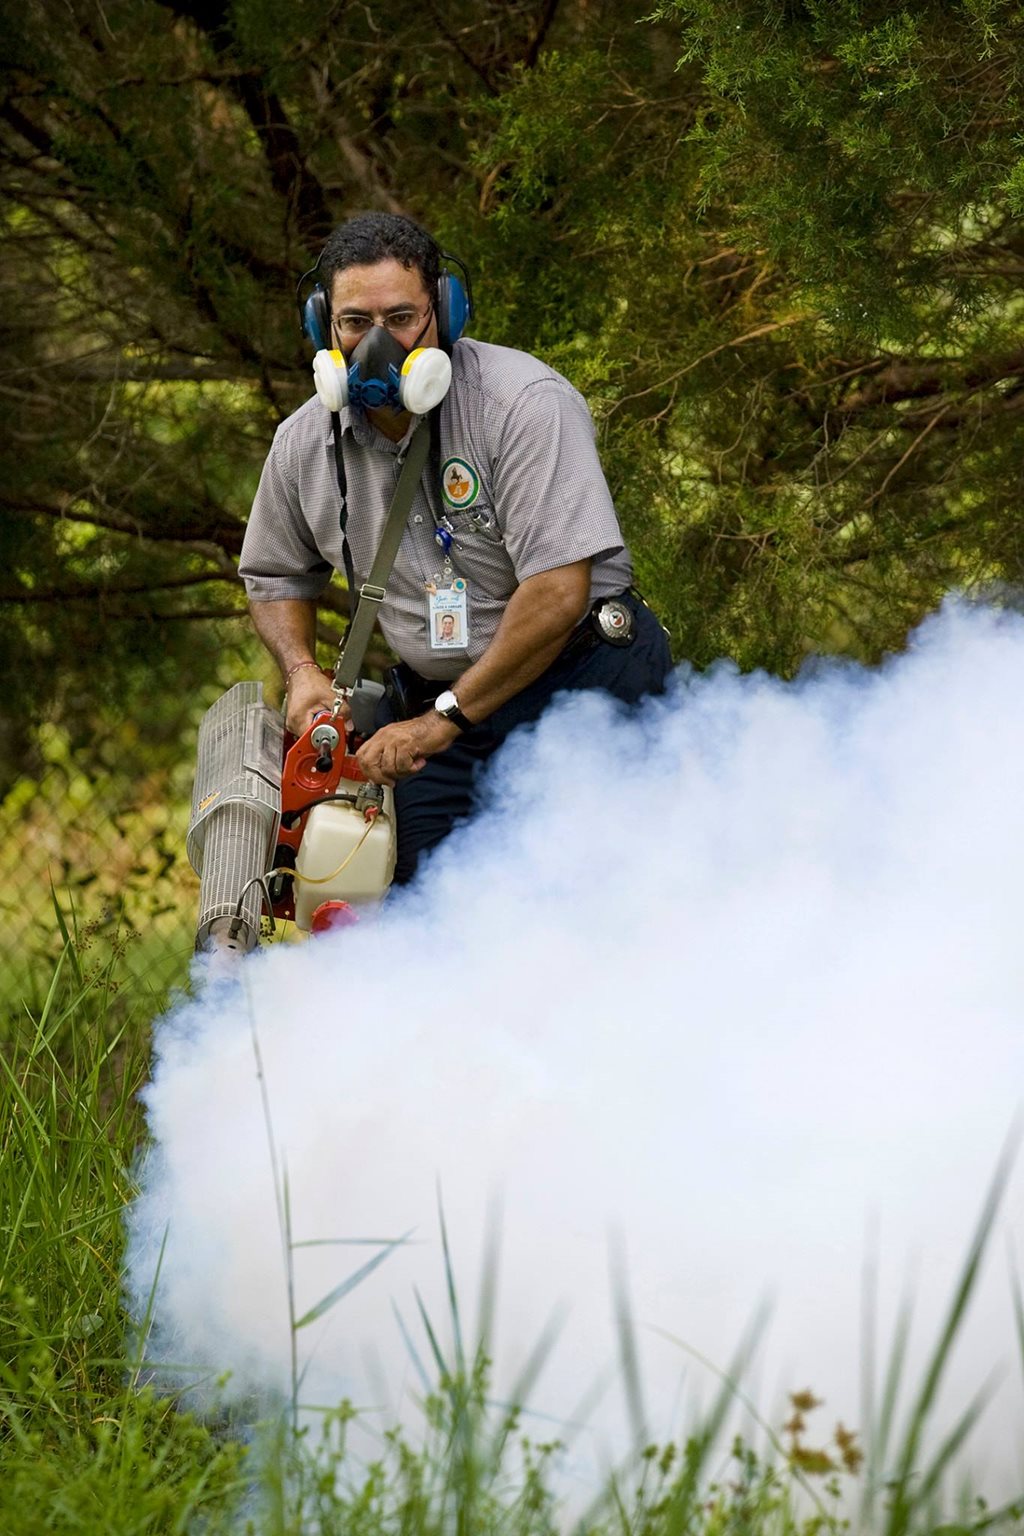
(446,702)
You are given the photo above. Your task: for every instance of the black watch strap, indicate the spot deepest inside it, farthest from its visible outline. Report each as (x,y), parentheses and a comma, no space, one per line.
(447,706)
(457,718)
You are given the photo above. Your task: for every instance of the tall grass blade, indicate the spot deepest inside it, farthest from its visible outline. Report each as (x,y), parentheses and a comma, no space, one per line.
(435,1348)
(730,1390)
(344,1242)
(525,1382)
(285,1209)
(33,1150)
(489,1271)
(629,1358)
(710,1430)
(147,1319)
(905,1498)
(268,1122)
(414,1353)
(952,1443)
(70,947)
(356,1278)
(869,1325)
(1018,1309)
(67,955)
(878,1433)
(453,1300)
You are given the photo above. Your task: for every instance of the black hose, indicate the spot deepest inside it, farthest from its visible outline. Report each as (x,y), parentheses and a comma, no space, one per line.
(237,922)
(289,819)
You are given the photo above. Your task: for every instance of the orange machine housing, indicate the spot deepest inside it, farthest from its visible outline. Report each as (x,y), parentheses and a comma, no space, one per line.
(309,776)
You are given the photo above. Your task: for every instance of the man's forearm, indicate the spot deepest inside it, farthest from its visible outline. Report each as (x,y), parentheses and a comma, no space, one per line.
(540,616)
(287,627)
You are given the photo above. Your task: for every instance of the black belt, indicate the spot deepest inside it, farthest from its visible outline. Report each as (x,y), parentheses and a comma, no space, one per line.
(410,694)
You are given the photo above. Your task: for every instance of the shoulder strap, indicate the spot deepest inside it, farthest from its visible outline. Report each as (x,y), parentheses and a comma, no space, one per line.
(342,478)
(374,590)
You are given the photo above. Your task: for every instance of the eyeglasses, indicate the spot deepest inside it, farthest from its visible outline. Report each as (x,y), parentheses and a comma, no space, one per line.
(396,321)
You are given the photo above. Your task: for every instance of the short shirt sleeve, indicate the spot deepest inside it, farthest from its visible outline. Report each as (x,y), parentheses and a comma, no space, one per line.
(280,557)
(550,492)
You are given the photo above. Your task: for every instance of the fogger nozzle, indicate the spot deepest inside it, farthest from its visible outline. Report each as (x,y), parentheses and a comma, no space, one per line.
(236,812)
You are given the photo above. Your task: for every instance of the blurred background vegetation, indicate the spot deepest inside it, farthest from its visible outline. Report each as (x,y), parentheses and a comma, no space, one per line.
(779,246)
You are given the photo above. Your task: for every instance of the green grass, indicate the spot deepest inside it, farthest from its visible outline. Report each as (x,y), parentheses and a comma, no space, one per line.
(86,1447)
(81,1448)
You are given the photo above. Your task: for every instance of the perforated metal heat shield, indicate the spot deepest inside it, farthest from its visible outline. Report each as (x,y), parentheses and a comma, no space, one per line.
(236,808)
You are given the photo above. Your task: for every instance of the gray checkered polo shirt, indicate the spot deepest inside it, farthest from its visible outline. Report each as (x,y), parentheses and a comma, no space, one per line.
(519,483)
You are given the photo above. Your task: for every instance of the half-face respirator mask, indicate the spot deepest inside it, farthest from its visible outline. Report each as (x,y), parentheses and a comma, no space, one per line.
(380,372)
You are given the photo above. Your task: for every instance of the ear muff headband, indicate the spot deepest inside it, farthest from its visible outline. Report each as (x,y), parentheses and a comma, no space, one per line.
(454,303)
(314,310)
(454,306)
(316,318)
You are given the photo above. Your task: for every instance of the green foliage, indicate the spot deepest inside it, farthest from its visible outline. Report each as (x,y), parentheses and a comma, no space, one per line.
(798,314)
(81,1446)
(778,245)
(859,145)
(139,1467)
(99,816)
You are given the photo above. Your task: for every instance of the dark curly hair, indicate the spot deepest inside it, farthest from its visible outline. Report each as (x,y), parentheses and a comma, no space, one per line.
(367,238)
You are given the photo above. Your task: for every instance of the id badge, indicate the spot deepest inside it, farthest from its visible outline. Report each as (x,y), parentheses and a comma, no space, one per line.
(448,617)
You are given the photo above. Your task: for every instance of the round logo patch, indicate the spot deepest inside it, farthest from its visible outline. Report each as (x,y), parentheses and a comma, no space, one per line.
(460,483)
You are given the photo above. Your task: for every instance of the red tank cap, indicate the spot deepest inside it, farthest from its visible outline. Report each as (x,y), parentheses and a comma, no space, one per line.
(330,915)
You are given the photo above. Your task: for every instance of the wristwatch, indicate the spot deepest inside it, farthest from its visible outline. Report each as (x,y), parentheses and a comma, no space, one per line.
(447,705)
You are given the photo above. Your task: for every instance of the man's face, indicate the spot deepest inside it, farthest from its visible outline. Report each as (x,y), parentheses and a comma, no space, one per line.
(447,626)
(384,292)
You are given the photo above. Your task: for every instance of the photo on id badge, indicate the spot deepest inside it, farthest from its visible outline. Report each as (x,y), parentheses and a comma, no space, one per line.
(448,617)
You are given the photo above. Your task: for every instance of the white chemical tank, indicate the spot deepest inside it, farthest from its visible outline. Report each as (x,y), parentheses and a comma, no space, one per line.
(342,857)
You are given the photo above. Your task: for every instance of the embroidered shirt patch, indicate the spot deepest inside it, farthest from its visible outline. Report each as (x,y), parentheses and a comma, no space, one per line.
(460,483)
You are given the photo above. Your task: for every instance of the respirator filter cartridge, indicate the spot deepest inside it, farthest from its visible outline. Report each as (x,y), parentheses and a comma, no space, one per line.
(330,378)
(426,379)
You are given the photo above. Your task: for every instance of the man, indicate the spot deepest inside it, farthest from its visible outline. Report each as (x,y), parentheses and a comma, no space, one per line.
(512,532)
(447,634)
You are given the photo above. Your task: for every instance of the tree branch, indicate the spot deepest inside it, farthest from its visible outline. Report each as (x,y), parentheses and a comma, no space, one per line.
(190,615)
(138,370)
(289,172)
(918,440)
(365,170)
(905,379)
(226,537)
(467,58)
(76,592)
(735,341)
(540,32)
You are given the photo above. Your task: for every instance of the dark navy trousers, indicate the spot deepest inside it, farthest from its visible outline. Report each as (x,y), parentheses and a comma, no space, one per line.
(430,803)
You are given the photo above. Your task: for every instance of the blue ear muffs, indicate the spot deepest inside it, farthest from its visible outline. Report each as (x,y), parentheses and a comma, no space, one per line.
(454,307)
(315,315)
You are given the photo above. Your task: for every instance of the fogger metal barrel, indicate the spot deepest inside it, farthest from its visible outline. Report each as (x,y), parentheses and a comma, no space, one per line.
(236,812)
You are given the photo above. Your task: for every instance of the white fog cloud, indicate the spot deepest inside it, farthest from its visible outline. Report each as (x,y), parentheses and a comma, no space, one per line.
(735,980)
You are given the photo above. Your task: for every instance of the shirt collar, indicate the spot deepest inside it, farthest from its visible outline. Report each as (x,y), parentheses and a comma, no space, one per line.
(363,432)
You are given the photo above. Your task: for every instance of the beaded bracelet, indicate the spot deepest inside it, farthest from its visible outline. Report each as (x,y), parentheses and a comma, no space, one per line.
(298,665)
